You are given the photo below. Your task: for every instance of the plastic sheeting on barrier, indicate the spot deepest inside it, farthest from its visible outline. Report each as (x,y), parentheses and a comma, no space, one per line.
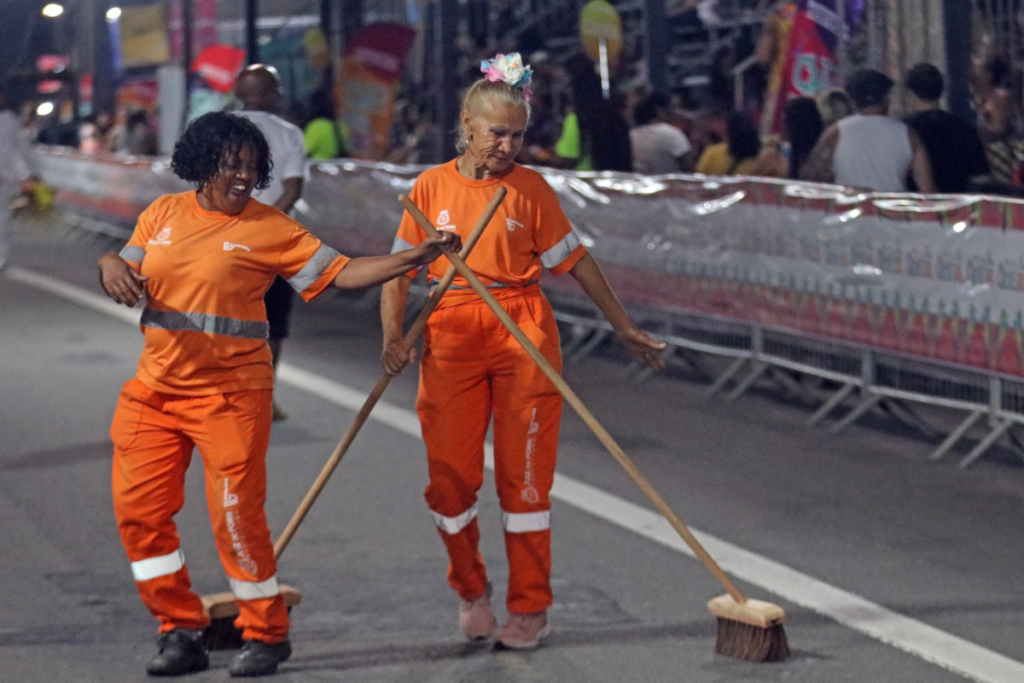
(938,277)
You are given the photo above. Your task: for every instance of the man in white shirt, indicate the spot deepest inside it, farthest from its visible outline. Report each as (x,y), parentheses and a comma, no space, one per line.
(658,146)
(258,88)
(17,172)
(869,150)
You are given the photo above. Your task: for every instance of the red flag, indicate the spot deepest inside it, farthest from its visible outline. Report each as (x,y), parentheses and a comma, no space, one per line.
(219,65)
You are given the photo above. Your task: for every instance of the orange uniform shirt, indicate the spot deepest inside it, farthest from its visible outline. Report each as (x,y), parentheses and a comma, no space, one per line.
(528,233)
(204,322)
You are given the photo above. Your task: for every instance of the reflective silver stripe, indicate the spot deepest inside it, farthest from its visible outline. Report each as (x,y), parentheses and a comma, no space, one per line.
(154,567)
(453,525)
(133,254)
(253,590)
(522,522)
(205,322)
(400,245)
(497,285)
(561,251)
(313,269)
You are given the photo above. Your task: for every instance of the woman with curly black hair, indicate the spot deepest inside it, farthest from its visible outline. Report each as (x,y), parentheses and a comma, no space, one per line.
(200,261)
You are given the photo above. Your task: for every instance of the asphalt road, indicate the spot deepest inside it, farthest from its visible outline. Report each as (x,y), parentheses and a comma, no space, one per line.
(858,537)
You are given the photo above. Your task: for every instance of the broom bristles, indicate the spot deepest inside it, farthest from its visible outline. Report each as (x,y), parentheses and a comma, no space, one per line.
(752,643)
(750,630)
(221,633)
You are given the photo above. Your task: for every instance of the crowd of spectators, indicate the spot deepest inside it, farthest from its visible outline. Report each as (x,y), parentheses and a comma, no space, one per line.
(845,135)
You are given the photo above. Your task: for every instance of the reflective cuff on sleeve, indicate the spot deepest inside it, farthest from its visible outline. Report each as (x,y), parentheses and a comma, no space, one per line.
(314,268)
(561,251)
(255,590)
(133,255)
(453,525)
(155,567)
(524,522)
(400,245)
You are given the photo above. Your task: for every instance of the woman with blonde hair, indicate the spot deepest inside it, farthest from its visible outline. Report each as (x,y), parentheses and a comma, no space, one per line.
(473,368)
(834,104)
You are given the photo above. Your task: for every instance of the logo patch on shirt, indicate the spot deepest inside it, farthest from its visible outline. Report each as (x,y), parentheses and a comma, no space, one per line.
(162,237)
(228,246)
(512,224)
(442,222)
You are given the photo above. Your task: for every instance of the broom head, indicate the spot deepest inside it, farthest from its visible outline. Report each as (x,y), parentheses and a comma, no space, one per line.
(751,630)
(221,634)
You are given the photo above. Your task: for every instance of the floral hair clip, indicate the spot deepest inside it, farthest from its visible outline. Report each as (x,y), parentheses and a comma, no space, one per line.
(508,69)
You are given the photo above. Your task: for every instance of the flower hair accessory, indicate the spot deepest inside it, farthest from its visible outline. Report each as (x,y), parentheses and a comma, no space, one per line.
(508,69)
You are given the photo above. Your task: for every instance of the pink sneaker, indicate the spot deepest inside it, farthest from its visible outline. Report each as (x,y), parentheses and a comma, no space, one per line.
(524,631)
(475,616)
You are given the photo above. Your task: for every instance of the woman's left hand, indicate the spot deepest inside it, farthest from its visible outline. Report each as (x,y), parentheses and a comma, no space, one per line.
(431,248)
(643,349)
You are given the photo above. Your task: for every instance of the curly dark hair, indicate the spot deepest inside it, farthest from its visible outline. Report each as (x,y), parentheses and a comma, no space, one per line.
(214,138)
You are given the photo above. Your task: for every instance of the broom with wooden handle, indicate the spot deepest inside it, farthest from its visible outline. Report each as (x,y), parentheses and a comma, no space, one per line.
(747,629)
(222,607)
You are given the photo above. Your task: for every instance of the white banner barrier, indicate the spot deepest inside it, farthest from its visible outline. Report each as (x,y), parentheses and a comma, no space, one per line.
(935,277)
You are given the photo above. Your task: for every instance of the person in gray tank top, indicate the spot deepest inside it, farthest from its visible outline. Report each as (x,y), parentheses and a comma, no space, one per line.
(869,150)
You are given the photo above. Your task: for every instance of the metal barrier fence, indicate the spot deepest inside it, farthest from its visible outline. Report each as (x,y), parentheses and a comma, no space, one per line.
(891,300)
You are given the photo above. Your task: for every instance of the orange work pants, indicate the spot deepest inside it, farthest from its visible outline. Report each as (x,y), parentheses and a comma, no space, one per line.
(154,434)
(473,367)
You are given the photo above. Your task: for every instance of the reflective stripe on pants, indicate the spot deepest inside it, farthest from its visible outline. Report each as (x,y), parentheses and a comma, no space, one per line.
(472,367)
(154,434)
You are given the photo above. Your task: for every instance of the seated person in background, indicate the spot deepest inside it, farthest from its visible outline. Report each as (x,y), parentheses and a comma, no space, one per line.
(991,80)
(953,145)
(325,136)
(868,149)
(801,128)
(834,104)
(140,138)
(658,146)
(738,154)
(595,135)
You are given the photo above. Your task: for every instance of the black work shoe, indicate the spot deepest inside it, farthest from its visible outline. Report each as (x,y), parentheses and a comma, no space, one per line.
(181,652)
(260,659)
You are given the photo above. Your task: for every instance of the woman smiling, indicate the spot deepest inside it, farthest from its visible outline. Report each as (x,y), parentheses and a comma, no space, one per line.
(204,260)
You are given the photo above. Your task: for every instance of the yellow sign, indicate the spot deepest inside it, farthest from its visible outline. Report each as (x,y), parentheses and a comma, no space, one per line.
(143,35)
(599,20)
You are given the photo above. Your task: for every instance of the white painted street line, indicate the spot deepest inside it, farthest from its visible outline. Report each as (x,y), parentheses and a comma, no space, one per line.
(912,636)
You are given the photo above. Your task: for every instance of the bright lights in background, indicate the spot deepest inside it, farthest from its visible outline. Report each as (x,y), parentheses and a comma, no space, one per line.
(44,109)
(53,10)
(113,14)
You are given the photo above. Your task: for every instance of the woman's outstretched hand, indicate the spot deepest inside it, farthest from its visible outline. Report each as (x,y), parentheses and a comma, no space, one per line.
(643,349)
(431,248)
(120,281)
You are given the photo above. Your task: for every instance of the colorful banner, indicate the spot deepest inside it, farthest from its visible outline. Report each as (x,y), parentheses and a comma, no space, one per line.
(807,66)
(367,82)
(143,34)
(138,94)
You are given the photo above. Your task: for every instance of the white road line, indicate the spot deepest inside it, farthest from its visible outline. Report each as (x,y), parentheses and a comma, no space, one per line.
(912,636)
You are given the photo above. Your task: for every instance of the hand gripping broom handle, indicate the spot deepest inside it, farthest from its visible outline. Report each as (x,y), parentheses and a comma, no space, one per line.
(581,409)
(385,379)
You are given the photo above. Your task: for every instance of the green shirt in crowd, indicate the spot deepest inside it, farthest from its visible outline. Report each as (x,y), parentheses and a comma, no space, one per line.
(569,145)
(326,139)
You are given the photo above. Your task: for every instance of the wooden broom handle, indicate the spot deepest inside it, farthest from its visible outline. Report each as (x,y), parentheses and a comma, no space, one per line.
(408,340)
(580,408)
